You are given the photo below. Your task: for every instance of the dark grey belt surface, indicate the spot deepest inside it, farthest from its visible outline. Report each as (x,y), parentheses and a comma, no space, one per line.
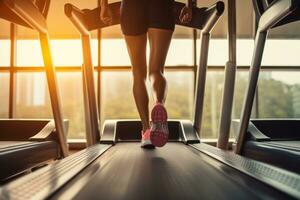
(176,171)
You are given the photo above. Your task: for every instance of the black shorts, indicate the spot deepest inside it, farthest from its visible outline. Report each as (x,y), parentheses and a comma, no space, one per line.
(139,15)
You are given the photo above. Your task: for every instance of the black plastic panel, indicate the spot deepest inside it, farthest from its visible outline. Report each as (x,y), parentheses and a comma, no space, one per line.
(270,129)
(21,156)
(124,130)
(279,129)
(131,130)
(282,180)
(20,129)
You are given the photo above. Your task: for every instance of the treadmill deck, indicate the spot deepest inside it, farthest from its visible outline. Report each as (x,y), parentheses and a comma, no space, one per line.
(176,171)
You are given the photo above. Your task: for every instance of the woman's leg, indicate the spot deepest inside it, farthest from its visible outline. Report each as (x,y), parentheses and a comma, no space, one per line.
(136,46)
(159,45)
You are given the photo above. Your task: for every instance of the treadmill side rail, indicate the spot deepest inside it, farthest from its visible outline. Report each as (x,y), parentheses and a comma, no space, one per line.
(283,180)
(189,133)
(109,132)
(44,182)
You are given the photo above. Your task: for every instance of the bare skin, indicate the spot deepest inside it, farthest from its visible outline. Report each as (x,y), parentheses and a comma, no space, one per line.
(159,40)
(136,46)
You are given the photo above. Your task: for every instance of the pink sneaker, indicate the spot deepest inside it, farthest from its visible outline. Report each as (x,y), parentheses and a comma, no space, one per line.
(146,142)
(159,128)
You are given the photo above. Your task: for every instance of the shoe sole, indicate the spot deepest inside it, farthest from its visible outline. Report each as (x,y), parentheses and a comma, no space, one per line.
(147,144)
(159,117)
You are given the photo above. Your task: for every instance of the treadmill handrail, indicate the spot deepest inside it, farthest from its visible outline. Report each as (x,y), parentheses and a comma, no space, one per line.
(88,20)
(7,14)
(27,11)
(274,14)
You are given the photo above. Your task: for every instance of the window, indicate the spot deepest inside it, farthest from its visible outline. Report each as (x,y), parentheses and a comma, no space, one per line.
(4,53)
(64,53)
(278,91)
(114,53)
(213,97)
(282,52)
(279,94)
(4,94)
(118,102)
(33,99)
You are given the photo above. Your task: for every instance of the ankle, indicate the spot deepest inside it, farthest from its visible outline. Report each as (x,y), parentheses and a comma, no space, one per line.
(145,128)
(159,102)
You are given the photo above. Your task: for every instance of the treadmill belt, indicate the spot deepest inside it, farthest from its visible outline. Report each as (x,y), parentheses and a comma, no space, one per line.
(176,171)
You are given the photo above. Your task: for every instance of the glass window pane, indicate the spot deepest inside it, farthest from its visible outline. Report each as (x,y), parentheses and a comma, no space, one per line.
(241,83)
(212,102)
(5,29)
(4,53)
(279,94)
(274,52)
(218,52)
(29,53)
(180,96)
(180,52)
(33,99)
(64,53)
(4,94)
(281,53)
(213,98)
(117,100)
(72,102)
(114,52)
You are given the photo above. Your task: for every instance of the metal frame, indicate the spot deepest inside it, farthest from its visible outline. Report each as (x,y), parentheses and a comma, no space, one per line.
(201,73)
(90,104)
(269,18)
(229,83)
(13,56)
(30,15)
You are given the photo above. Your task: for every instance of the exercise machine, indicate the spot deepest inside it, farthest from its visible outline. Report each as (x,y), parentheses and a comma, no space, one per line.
(115,167)
(275,141)
(28,143)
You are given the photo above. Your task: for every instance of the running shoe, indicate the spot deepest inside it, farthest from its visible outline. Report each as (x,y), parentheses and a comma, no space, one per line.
(146,142)
(159,128)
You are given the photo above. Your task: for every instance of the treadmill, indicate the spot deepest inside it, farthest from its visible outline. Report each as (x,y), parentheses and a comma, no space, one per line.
(26,144)
(275,141)
(29,143)
(115,167)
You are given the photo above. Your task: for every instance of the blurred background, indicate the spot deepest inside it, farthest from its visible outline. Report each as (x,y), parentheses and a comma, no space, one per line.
(24,93)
